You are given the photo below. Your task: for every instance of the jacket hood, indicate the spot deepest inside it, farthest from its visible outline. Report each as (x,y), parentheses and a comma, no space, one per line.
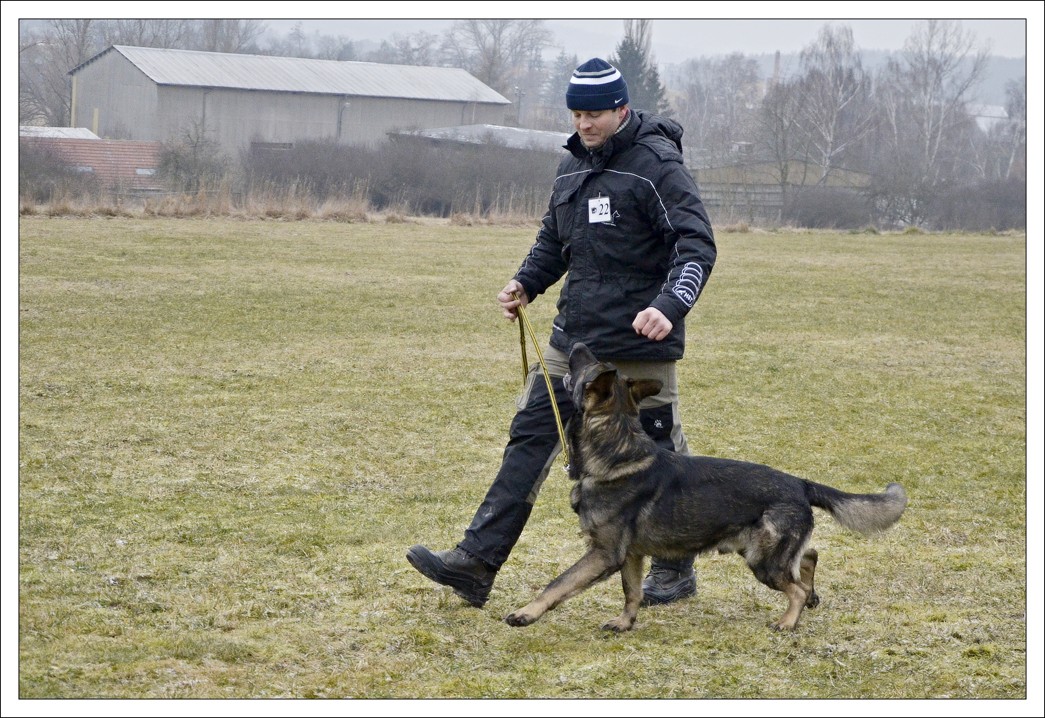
(652,125)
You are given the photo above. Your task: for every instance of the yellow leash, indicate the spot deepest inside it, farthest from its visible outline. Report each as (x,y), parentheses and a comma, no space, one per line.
(524,328)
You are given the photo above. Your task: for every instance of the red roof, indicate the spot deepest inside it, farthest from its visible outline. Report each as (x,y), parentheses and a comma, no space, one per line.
(118,164)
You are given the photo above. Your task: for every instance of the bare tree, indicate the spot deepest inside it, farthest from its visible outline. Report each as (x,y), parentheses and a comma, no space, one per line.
(32,103)
(925,125)
(997,154)
(223,35)
(338,47)
(834,93)
(146,32)
(315,45)
(1014,131)
(296,43)
(500,53)
(419,48)
(45,58)
(194,162)
(779,133)
(717,102)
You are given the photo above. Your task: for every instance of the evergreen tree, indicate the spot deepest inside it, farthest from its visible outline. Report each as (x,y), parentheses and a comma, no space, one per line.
(550,112)
(634,60)
(558,75)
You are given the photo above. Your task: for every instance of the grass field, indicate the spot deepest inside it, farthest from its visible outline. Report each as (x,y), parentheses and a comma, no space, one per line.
(231,431)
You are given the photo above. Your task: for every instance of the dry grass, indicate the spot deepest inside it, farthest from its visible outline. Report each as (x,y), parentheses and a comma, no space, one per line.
(230,431)
(285,207)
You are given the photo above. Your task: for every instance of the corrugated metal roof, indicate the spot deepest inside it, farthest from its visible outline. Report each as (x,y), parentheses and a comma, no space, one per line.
(293,74)
(73,133)
(514,137)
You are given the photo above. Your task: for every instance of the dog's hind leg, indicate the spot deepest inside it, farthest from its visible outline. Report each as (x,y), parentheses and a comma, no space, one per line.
(799,591)
(631,580)
(776,554)
(594,566)
(796,598)
(806,570)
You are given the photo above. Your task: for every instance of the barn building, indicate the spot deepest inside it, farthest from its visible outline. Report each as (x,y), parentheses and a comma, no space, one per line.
(253,101)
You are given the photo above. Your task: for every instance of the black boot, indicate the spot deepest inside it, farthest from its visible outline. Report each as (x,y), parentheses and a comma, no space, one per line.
(468,576)
(668,581)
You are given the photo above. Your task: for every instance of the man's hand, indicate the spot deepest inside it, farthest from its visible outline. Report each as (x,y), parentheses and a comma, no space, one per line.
(653,324)
(509,304)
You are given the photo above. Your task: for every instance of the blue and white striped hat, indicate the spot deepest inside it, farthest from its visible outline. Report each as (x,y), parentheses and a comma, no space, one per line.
(596,85)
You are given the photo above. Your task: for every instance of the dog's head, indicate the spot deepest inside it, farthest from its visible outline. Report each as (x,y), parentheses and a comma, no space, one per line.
(594,384)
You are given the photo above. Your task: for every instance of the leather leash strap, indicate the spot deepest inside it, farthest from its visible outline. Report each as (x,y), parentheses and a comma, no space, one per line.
(524,328)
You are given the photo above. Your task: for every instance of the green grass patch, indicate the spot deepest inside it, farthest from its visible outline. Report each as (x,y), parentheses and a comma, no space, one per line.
(231,431)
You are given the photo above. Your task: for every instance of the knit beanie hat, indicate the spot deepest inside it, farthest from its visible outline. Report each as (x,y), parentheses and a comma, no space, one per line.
(596,85)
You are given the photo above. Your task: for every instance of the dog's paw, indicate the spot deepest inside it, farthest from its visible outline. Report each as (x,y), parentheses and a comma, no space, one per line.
(620,624)
(519,618)
(783,625)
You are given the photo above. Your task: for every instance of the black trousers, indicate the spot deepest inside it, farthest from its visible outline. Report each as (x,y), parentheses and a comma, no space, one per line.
(532,447)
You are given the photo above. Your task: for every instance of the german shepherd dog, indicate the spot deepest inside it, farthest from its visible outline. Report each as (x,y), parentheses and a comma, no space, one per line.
(635,499)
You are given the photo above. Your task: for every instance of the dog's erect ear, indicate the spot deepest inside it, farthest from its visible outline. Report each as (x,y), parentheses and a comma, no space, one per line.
(581,356)
(602,385)
(641,388)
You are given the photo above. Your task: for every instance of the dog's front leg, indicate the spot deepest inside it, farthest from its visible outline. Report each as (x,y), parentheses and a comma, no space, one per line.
(593,566)
(631,580)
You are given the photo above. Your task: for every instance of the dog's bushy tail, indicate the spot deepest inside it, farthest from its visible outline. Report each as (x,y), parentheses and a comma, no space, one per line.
(866,513)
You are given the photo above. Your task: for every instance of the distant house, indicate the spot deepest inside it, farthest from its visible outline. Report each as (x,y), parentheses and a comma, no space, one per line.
(987,116)
(117,165)
(68,133)
(244,101)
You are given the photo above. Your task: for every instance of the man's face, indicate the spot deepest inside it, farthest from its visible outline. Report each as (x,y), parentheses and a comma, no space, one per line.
(596,126)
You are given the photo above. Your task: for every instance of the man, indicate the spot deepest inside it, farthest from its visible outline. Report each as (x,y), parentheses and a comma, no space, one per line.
(626,222)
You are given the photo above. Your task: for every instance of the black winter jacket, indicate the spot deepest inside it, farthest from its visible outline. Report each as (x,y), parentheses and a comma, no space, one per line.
(655,247)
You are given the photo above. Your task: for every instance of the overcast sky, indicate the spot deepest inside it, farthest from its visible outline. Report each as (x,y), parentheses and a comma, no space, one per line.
(675,40)
(1002,27)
